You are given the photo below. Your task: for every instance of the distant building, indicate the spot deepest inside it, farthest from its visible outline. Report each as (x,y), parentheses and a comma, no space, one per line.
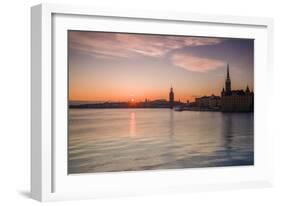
(202,101)
(208,101)
(159,101)
(214,101)
(171,98)
(236,100)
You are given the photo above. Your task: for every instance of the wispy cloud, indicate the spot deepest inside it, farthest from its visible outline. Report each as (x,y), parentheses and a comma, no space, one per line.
(110,45)
(194,63)
(95,44)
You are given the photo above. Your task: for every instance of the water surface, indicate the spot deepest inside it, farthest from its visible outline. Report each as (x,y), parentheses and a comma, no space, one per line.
(104,140)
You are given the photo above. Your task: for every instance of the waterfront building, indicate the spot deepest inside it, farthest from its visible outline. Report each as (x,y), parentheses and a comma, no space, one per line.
(236,100)
(208,101)
(214,101)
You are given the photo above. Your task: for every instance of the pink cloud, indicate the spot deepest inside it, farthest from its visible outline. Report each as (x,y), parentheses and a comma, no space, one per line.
(196,64)
(95,44)
(145,45)
(127,45)
(196,41)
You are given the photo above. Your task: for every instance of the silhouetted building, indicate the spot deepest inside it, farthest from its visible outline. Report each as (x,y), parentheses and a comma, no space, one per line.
(208,101)
(214,101)
(202,101)
(236,100)
(171,97)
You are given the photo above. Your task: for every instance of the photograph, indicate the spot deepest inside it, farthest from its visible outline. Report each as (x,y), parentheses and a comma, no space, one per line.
(141,101)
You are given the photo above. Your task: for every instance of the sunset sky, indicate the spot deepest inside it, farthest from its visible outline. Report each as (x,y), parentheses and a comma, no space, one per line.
(118,67)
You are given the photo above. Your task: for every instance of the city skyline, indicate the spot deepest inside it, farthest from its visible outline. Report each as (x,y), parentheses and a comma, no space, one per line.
(122,67)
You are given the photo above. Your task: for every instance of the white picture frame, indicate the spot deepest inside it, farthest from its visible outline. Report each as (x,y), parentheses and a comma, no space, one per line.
(49,180)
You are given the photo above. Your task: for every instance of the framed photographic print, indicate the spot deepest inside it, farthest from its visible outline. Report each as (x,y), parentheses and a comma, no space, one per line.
(139,102)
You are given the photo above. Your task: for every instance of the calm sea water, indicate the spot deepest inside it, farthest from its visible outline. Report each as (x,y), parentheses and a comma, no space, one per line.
(104,140)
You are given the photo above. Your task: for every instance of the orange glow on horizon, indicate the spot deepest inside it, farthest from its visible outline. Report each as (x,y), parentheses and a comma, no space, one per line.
(183,98)
(124,94)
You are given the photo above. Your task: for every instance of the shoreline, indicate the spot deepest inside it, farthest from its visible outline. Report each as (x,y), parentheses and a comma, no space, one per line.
(184,109)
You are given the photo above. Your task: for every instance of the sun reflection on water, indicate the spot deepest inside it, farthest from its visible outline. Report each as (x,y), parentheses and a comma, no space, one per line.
(132,124)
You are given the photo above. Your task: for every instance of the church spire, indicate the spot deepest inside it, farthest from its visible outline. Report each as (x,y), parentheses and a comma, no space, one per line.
(228,77)
(228,82)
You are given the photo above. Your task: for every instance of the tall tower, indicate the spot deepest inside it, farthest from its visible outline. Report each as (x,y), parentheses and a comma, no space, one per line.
(247,90)
(228,82)
(171,97)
